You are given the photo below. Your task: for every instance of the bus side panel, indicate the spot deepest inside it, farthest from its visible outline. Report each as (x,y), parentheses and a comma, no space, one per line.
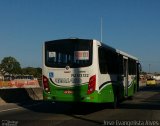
(132,86)
(108,87)
(106,94)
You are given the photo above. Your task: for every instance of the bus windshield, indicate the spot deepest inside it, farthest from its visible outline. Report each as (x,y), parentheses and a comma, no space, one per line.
(68,52)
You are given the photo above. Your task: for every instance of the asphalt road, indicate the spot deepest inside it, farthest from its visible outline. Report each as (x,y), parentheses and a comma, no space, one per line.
(144,109)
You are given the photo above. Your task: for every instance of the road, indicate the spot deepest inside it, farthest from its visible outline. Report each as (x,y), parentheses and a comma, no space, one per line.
(144,107)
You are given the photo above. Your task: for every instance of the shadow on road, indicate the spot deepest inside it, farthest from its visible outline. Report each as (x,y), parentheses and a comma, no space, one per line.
(148,98)
(77,111)
(151,88)
(14,95)
(68,108)
(145,106)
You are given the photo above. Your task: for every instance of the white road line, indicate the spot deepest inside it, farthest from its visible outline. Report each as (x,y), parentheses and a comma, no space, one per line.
(9,109)
(19,107)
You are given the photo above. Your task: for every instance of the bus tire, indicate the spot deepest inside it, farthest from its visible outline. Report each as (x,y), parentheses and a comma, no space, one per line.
(130,98)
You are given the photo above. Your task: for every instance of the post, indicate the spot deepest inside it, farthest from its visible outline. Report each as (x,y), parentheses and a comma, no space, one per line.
(149,67)
(101,29)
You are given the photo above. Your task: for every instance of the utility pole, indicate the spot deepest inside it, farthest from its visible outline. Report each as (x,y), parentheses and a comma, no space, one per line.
(101,29)
(149,68)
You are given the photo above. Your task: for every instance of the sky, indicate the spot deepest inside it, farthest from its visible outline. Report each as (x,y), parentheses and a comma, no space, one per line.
(132,26)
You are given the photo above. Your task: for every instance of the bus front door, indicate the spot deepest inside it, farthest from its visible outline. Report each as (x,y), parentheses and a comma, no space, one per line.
(125,72)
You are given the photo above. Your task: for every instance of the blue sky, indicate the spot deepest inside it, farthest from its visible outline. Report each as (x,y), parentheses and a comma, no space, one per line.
(129,25)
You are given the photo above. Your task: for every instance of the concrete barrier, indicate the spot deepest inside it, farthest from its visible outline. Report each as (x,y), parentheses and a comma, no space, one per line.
(20,95)
(35,93)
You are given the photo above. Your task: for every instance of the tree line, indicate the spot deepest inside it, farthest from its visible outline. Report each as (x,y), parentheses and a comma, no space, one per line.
(10,66)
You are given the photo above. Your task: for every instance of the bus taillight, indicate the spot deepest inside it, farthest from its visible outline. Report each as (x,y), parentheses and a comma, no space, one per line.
(92,84)
(46,84)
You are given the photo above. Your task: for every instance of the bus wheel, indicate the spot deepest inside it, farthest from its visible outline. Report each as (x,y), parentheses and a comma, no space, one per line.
(130,98)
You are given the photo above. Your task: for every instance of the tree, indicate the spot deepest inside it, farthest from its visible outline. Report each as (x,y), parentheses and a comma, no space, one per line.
(10,65)
(36,72)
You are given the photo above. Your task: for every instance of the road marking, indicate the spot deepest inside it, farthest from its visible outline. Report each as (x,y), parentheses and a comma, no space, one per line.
(19,107)
(9,109)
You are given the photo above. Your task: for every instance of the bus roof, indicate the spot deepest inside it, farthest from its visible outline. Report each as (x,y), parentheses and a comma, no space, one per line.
(126,54)
(58,40)
(118,51)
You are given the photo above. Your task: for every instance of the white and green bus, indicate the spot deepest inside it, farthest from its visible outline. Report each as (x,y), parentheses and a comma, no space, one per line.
(83,70)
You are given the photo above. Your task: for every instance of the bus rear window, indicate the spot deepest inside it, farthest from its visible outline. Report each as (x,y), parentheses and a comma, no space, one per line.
(68,52)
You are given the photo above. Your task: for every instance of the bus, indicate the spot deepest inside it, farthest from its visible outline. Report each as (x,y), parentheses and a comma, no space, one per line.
(86,70)
(18,77)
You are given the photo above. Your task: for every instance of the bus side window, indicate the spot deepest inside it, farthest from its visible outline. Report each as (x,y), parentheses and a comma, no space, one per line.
(112,59)
(102,60)
(120,64)
(132,67)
